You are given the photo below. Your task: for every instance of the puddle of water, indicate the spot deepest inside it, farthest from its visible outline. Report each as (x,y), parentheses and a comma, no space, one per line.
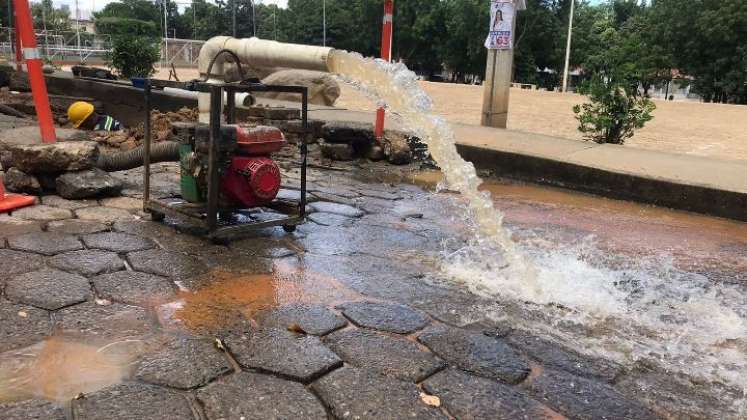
(60,368)
(227,296)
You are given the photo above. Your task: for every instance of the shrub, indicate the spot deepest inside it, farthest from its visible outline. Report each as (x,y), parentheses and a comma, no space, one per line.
(615,109)
(134,56)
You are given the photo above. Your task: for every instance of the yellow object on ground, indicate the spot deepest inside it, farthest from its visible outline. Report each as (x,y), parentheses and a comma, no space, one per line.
(78,112)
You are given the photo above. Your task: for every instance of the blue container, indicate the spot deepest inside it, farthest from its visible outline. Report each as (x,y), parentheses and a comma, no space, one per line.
(138,82)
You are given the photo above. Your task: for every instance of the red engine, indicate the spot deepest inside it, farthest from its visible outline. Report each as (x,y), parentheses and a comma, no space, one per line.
(253,178)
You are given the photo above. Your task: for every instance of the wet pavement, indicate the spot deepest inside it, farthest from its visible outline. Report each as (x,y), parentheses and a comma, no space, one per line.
(105,314)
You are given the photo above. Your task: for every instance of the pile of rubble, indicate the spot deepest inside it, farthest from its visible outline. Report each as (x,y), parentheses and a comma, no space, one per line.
(130,138)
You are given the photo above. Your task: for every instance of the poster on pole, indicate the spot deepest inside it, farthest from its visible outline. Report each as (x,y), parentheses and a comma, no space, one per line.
(501,35)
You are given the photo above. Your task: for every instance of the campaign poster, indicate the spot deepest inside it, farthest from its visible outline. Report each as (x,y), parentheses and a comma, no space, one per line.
(500,36)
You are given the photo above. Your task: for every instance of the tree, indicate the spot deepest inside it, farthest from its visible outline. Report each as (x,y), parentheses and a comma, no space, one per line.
(45,16)
(134,56)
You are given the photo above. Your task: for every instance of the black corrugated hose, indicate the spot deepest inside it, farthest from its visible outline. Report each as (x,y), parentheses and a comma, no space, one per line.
(167,151)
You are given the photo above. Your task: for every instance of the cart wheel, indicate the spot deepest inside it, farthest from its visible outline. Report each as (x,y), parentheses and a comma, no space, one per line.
(157,216)
(289,228)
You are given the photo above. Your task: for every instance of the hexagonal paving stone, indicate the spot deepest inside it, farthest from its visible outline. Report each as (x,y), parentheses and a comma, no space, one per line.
(46,243)
(166,263)
(262,247)
(330,219)
(13,226)
(125,203)
(183,363)
(114,321)
(103,214)
(470,397)
(22,325)
(32,410)
(117,242)
(43,213)
(477,353)
(16,262)
(87,262)
(144,228)
(389,317)
(313,319)
(252,396)
(134,288)
(76,226)
(391,356)
(48,289)
(360,394)
(132,400)
(582,398)
(555,357)
(335,208)
(300,357)
(63,203)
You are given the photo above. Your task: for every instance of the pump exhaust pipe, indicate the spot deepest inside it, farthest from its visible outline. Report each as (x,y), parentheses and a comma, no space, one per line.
(254,52)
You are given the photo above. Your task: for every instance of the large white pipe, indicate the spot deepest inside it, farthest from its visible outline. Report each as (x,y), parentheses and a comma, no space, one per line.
(254,52)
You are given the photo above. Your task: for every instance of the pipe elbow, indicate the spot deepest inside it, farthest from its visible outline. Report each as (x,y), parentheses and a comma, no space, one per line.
(209,50)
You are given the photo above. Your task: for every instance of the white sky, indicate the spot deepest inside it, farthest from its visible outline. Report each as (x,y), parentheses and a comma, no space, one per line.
(86,6)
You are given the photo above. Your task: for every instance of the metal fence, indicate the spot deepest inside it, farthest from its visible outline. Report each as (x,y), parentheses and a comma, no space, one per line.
(180,52)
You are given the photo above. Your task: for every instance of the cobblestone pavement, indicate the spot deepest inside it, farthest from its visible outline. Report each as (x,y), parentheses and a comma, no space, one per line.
(337,320)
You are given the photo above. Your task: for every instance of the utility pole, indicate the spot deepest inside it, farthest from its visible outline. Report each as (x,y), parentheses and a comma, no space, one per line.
(568,48)
(77,29)
(166,31)
(233,18)
(499,68)
(254,19)
(324,23)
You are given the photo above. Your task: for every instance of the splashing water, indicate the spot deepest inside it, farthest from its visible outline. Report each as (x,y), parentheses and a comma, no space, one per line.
(647,310)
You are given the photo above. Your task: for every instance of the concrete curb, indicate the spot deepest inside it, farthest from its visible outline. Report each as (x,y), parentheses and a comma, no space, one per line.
(700,199)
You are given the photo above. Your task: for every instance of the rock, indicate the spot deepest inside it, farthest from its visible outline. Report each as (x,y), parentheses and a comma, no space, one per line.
(132,400)
(335,208)
(360,394)
(329,219)
(45,243)
(581,398)
(22,325)
(469,397)
(48,289)
(32,409)
(43,213)
(87,262)
(474,352)
(87,184)
(252,396)
(20,182)
(389,317)
(59,202)
(390,356)
(117,242)
(125,203)
(337,151)
(397,150)
(56,157)
(134,288)
(359,136)
(323,88)
(376,153)
(104,322)
(312,319)
(301,357)
(183,363)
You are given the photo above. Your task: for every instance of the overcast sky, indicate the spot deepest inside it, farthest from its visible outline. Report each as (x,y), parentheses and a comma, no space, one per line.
(86,6)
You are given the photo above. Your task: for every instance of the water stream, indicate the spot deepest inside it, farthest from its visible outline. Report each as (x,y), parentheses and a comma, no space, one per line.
(628,309)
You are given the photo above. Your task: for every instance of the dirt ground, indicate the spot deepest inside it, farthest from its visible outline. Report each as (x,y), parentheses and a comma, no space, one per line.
(711,130)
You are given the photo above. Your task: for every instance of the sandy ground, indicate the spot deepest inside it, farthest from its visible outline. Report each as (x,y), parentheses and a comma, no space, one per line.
(712,130)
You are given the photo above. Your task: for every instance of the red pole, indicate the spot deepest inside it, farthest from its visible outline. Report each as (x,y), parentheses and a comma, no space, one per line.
(25,29)
(19,59)
(386,54)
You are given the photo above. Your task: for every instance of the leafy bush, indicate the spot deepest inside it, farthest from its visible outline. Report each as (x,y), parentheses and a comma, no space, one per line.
(615,111)
(134,56)
(116,26)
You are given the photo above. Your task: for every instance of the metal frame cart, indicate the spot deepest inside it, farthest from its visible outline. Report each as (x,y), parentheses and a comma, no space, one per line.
(214,220)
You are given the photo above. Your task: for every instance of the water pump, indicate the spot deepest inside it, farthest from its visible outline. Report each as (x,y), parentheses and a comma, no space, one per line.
(248,177)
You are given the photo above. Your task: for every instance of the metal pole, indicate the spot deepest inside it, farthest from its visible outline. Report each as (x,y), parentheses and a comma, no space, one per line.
(34,66)
(324,23)
(568,48)
(233,17)
(166,31)
(254,19)
(386,54)
(194,21)
(77,29)
(275,21)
